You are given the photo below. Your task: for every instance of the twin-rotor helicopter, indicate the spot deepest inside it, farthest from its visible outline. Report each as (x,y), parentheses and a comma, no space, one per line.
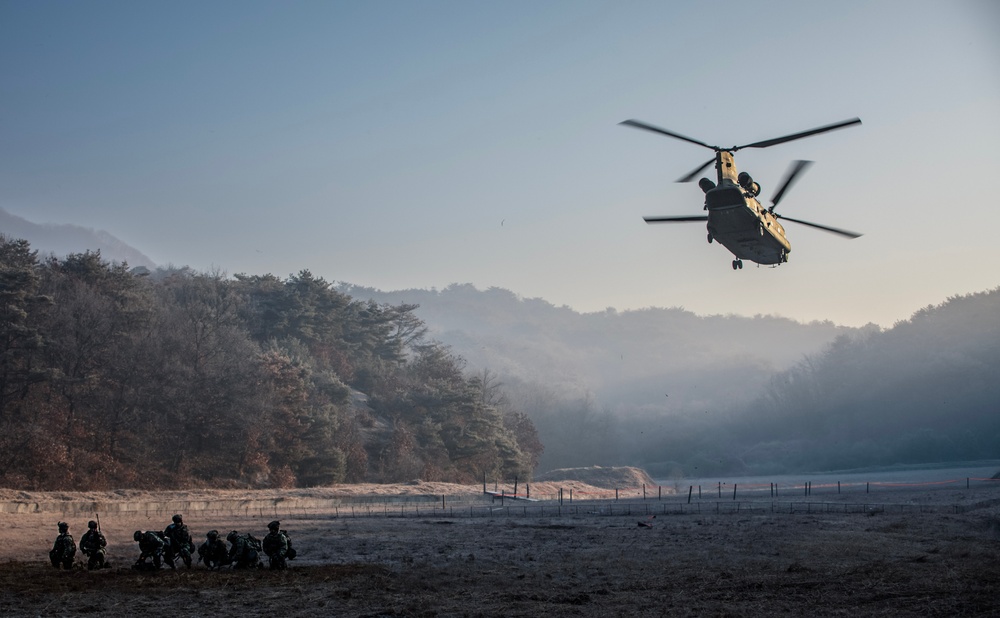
(734,216)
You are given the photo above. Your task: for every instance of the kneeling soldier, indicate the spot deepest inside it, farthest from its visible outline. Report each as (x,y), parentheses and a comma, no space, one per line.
(213,551)
(276,546)
(93,544)
(64,549)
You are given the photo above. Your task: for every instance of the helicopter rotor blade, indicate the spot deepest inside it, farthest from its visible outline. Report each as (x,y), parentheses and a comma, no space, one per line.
(791,175)
(638,124)
(696,172)
(681,219)
(833,230)
(795,136)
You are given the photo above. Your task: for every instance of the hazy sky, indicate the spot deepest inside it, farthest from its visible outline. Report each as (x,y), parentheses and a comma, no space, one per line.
(422,143)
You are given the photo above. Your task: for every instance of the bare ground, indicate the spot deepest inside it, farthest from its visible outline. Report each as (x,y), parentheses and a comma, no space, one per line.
(930,552)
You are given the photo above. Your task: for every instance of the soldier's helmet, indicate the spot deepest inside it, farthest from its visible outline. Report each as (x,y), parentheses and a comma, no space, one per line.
(63,526)
(231,537)
(137,535)
(212,535)
(274,525)
(91,524)
(177,519)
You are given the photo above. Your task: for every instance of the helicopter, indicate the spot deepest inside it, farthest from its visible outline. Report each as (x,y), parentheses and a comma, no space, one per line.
(735,218)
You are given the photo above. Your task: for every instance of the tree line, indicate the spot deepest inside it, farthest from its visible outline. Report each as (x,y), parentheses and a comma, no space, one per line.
(113,377)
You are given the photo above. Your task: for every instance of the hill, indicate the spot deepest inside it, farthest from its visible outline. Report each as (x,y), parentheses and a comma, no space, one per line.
(64,239)
(620,358)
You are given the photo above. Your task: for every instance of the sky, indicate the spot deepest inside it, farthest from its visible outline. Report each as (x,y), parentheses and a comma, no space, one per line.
(416,144)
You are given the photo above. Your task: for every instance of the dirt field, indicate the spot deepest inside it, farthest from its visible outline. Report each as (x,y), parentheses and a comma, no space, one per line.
(933,552)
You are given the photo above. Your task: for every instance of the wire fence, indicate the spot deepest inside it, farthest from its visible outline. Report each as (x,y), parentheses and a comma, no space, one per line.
(720,498)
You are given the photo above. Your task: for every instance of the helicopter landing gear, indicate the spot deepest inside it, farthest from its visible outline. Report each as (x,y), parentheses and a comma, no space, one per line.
(709,239)
(737,264)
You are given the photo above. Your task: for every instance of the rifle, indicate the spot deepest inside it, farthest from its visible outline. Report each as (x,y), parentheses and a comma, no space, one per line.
(98,520)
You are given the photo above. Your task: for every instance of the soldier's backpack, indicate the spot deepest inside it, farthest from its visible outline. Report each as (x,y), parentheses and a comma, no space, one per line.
(254,543)
(291,550)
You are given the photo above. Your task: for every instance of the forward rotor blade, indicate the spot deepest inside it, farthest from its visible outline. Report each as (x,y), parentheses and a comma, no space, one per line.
(795,136)
(638,124)
(691,176)
(681,219)
(825,228)
(796,168)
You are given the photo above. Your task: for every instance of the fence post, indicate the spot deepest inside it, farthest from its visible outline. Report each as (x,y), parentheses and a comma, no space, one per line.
(690,489)
(616,494)
(720,489)
(734,491)
(643,492)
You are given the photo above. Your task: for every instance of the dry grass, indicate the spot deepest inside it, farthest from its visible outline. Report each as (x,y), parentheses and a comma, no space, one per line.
(939,563)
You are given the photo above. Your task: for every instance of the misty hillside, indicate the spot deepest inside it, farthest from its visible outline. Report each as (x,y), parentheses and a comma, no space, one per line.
(687,395)
(623,359)
(62,240)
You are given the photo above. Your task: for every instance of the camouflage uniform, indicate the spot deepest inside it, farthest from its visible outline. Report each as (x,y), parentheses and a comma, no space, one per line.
(93,544)
(213,551)
(179,544)
(242,553)
(150,546)
(276,546)
(64,549)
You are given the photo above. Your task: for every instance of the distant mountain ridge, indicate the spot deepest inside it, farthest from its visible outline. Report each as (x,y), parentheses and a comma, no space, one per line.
(63,239)
(633,357)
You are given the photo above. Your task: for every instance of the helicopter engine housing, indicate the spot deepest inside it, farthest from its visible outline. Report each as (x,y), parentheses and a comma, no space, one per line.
(746,181)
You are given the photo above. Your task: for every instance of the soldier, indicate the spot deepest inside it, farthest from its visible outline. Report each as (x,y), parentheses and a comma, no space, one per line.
(93,544)
(179,544)
(213,551)
(64,548)
(244,552)
(276,546)
(150,546)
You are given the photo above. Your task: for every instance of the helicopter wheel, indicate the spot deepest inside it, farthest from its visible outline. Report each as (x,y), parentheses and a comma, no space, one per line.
(737,264)
(709,239)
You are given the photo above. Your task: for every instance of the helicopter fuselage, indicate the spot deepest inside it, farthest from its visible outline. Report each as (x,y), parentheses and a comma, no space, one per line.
(737,220)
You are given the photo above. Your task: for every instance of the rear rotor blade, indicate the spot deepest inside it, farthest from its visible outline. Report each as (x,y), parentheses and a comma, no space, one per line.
(796,168)
(694,174)
(794,136)
(825,228)
(638,124)
(681,219)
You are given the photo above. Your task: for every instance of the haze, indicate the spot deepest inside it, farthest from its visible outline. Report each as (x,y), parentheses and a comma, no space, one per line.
(413,145)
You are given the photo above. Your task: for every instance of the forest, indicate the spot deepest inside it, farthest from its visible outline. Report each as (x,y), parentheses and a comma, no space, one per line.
(112,377)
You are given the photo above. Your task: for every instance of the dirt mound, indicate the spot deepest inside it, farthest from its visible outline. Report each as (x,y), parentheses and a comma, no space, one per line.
(598,476)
